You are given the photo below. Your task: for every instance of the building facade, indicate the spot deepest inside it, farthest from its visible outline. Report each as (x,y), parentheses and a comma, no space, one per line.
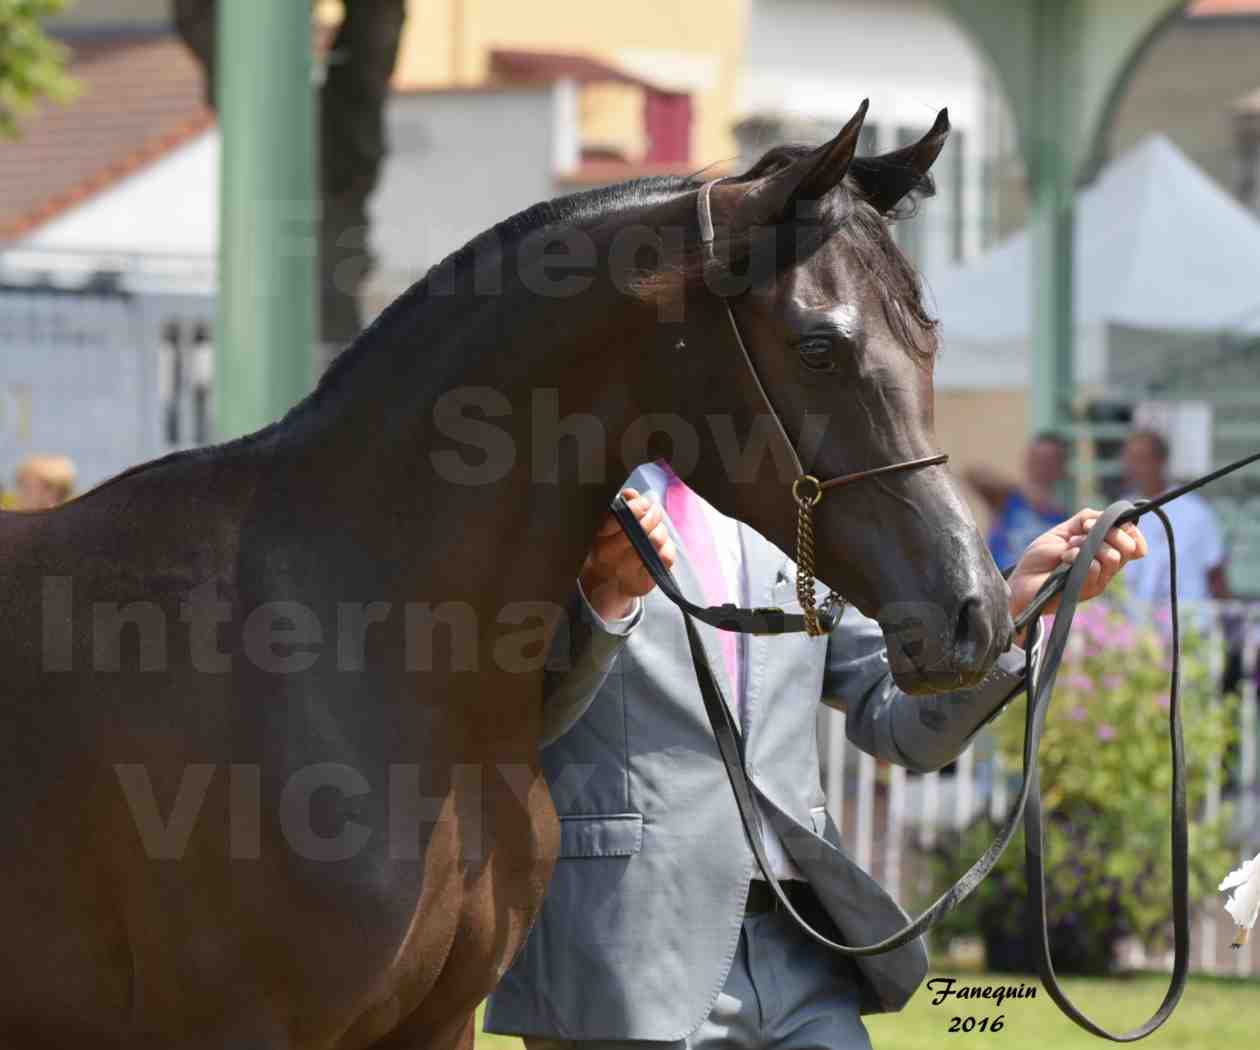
(807,65)
(692,48)
(1199,84)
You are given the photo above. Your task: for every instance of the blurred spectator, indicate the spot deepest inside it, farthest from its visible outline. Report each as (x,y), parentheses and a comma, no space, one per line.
(1201,572)
(1200,541)
(1022,511)
(44,482)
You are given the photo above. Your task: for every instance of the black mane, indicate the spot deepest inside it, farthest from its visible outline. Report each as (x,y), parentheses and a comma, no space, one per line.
(574,208)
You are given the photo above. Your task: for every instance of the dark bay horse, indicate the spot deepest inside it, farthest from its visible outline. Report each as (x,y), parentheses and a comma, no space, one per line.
(269,756)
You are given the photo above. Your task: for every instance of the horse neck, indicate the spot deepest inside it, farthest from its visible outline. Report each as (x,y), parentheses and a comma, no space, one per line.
(492,423)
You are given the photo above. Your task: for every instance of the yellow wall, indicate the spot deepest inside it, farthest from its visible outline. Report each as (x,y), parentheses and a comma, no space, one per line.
(982,428)
(449,41)
(612,115)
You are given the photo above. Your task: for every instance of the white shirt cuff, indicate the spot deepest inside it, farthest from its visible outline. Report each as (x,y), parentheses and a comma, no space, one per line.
(623,624)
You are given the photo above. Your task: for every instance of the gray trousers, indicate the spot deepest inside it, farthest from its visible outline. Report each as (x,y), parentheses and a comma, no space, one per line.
(784,992)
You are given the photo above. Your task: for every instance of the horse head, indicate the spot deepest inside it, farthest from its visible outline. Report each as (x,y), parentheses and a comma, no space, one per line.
(842,349)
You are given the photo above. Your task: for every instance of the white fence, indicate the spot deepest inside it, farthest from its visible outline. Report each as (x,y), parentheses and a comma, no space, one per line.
(889,817)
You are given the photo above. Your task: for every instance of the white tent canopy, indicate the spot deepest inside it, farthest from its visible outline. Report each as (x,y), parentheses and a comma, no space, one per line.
(1159,246)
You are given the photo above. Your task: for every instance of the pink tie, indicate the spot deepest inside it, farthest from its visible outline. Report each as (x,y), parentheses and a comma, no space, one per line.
(684,510)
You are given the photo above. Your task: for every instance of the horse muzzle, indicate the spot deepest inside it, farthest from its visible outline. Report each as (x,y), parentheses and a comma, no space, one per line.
(934,649)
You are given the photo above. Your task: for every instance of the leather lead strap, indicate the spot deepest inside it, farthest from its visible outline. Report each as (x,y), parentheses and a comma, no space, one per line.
(729,742)
(1034,856)
(728,738)
(728,617)
(1027,803)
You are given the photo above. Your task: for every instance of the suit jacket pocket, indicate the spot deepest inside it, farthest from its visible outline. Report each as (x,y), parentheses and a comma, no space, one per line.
(783,592)
(601,835)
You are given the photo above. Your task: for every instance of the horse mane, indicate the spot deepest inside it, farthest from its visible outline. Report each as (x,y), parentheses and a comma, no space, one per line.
(574,208)
(845,214)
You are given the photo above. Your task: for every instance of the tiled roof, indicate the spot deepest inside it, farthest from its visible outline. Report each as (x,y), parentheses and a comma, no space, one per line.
(1215,8)
(558,65)
(142,95)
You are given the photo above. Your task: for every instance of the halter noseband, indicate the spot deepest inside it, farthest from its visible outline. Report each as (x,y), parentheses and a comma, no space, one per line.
(807,489)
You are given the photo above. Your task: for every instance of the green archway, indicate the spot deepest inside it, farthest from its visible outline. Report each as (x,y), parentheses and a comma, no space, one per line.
(1062,65)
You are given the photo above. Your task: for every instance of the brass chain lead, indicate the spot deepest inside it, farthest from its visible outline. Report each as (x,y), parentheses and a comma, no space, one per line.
(805,567)
(805,559)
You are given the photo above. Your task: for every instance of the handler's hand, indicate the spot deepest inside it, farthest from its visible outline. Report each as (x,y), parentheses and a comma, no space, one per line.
(613,576)
(1061,545)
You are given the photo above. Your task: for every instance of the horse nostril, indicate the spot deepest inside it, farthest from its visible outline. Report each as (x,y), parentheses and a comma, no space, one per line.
(972,632)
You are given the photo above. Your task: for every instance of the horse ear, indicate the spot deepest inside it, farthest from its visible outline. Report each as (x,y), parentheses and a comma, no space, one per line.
(886,179)
(811,177)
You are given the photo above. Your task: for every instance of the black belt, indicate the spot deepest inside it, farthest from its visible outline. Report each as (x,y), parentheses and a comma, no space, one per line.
(761,898)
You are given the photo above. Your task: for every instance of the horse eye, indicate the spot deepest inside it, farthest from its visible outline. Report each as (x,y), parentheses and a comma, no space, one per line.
(817,355)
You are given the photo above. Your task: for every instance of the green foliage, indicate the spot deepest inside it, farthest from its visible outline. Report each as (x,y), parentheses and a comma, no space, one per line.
(32,65)
(1105,775)
(1216,1014)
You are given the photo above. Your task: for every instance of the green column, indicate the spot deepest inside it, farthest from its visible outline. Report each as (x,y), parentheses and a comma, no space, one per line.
(1050,137)
(265,334)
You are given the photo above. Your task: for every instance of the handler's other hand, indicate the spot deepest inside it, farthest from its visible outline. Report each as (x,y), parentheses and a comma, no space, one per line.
(613,576)
(1060,546)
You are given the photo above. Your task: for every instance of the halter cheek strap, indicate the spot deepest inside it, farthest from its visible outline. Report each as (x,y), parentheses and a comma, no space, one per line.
(807,489)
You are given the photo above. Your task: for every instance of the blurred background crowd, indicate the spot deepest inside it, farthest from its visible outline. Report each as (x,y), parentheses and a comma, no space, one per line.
(1138,365)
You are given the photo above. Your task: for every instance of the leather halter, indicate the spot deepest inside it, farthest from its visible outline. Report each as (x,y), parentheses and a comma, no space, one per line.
(704,210)
(807,489)
(1040,672)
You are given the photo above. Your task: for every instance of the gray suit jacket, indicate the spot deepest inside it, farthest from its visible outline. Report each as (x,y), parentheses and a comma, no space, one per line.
(642,916)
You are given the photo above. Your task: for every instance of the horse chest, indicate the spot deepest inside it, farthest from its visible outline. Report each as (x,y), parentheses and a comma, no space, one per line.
(485,873)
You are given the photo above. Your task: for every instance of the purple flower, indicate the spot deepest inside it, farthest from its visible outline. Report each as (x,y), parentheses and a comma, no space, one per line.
(1104,628)
(1091,616)
(1082,683)
(1078,714)
(1106,732)
(1162,702)
(1096,631)
(1113,681)
(1120,636)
